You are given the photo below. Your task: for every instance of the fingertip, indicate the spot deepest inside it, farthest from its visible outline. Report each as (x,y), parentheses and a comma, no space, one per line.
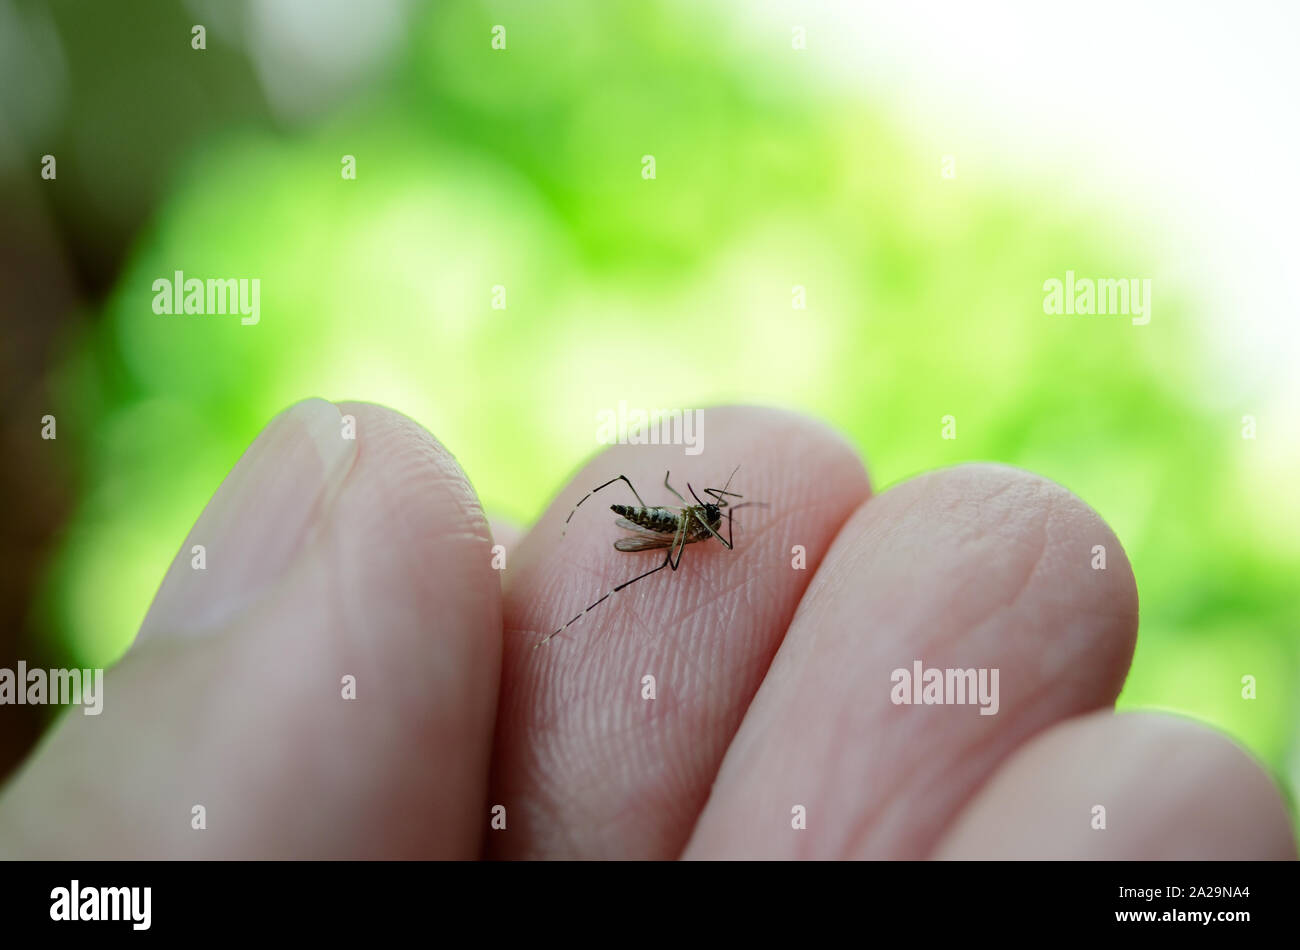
(1127,786)
(256,526)
(409,528)
(975,569)
(1082,571)
(703,634)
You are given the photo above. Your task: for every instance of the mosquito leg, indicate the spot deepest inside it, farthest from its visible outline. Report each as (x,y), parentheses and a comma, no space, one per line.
(654,570)
(700,518)
(673,490)
(679,544)
(596,489)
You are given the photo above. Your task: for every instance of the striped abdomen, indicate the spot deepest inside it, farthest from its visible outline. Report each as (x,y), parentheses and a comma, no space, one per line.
(665,520)
(661,520)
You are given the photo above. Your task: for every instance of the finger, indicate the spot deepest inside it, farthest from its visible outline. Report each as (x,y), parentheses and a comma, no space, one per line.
(505,533)
(976,567)
(342,708)
(1135,786)
(258,522)
(585,762)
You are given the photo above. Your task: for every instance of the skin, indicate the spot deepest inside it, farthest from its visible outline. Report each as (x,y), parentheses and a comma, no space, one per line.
(372,559)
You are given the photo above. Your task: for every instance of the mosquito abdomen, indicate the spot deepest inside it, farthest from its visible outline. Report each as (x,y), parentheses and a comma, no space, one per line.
(652,519)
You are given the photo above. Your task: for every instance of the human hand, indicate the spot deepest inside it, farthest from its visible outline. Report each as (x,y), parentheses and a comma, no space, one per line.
(329,558)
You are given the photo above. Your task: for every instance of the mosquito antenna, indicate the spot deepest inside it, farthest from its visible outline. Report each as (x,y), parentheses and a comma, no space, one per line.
(718,492)
(693,495)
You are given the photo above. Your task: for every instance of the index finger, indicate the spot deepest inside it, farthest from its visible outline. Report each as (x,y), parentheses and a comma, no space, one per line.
(609,736)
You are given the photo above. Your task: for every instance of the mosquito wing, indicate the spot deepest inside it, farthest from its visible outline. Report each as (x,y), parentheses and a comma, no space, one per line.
(633,526)
(644,542)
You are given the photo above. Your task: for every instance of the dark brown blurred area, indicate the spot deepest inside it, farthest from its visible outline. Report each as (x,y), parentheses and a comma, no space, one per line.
(38,300)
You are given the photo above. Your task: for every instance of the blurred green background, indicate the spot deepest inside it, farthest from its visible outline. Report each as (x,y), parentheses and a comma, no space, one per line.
(522,168)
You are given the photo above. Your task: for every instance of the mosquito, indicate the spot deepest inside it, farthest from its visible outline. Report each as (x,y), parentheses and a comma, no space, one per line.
(664,526)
